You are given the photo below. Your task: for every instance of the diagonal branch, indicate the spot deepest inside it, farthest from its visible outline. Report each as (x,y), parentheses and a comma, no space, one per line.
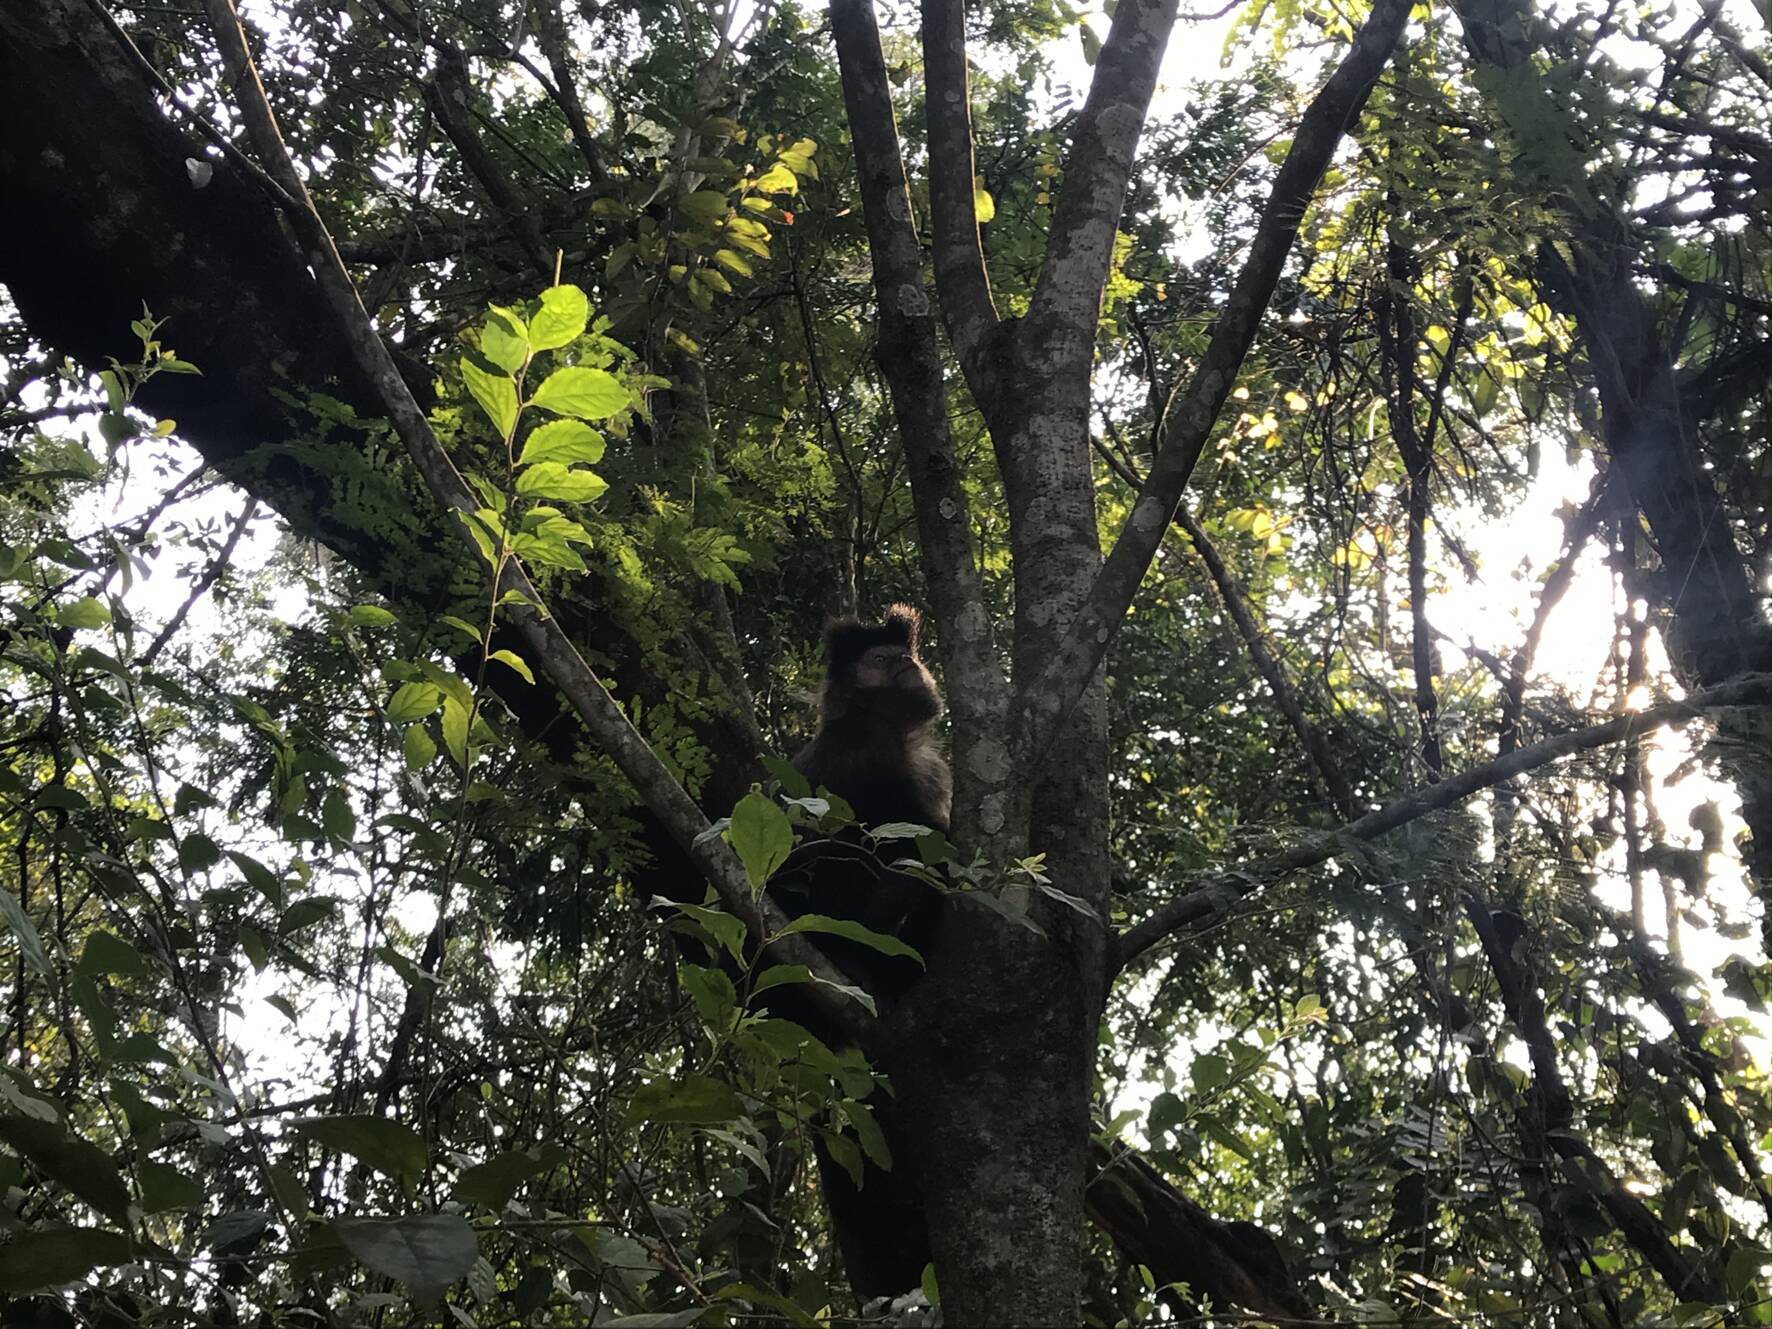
(1198,907)
(1044,705)
(960,273)
(546,639)
(212,573)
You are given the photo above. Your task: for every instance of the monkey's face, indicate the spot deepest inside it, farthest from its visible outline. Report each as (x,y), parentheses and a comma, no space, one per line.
(889,682)
(891,666)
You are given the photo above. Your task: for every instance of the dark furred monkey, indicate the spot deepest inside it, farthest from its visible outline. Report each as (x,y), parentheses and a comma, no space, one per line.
(873,749)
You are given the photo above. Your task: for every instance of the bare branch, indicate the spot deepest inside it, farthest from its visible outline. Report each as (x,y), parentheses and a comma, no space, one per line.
(217,566)
(959,257)
(1043,706)
(1191,911)
(546,639)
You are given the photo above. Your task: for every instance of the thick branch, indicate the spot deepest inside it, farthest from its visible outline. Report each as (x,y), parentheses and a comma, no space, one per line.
(1092,195)
(1191,911)
(546,640)
(447,96)
(1153,1224)
(550,32)
(959,256)
(1182,435)
(910,358)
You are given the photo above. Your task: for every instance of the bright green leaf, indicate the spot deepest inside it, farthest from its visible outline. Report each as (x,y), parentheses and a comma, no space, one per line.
(561,319)
(496,393)
(589,394)
(563,441)
(760,834)
(553,480)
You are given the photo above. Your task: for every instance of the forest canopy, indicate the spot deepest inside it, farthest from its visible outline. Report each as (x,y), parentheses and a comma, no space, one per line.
(1330,447)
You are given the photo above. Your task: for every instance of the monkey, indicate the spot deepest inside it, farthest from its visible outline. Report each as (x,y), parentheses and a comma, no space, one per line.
(874,750)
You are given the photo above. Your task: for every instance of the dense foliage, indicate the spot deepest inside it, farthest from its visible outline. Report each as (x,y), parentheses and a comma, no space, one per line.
(346,985)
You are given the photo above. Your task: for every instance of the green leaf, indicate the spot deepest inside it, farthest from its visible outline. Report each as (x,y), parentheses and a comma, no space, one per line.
(413,701)
(337,817)
(370,616)
(504,341)
(390,1147)
(495,1181)
(777,975)
(588,394)
(460,624)
(49,1257)
(86,612)
(705,205)
(426,1252)
(563,441)
(561,318)
(694,1100)
(984,207)
(167,1187)
(107,953)
(735,262)
(660,1319)
(761,836)
(455,730)
(81,1166)
(514,661)
(30,945)
(496,393)
(793,784)
(846,927)
(551,479)
(418,748)
(60,796)
(726,930)
(197,853)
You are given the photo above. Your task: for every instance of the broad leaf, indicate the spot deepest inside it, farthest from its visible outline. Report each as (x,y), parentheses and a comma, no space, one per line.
(426,1252)
(563,441)
(588,394)
(561,318)
(390,1147)
(70,1161)
(495,392)
(51,1256)
(761,836)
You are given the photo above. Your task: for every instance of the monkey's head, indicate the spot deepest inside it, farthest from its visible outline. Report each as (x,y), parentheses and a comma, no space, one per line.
(874,669)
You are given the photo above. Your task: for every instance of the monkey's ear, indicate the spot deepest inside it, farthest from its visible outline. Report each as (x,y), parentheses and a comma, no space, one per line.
(844,642)
(904,623)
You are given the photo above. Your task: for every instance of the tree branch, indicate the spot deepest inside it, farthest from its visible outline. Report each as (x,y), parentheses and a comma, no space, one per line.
(216,567)
(1042,707)
(960,273)
(447,96)
(910,357)
(1092,194)
(1191,911)
(542,633)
